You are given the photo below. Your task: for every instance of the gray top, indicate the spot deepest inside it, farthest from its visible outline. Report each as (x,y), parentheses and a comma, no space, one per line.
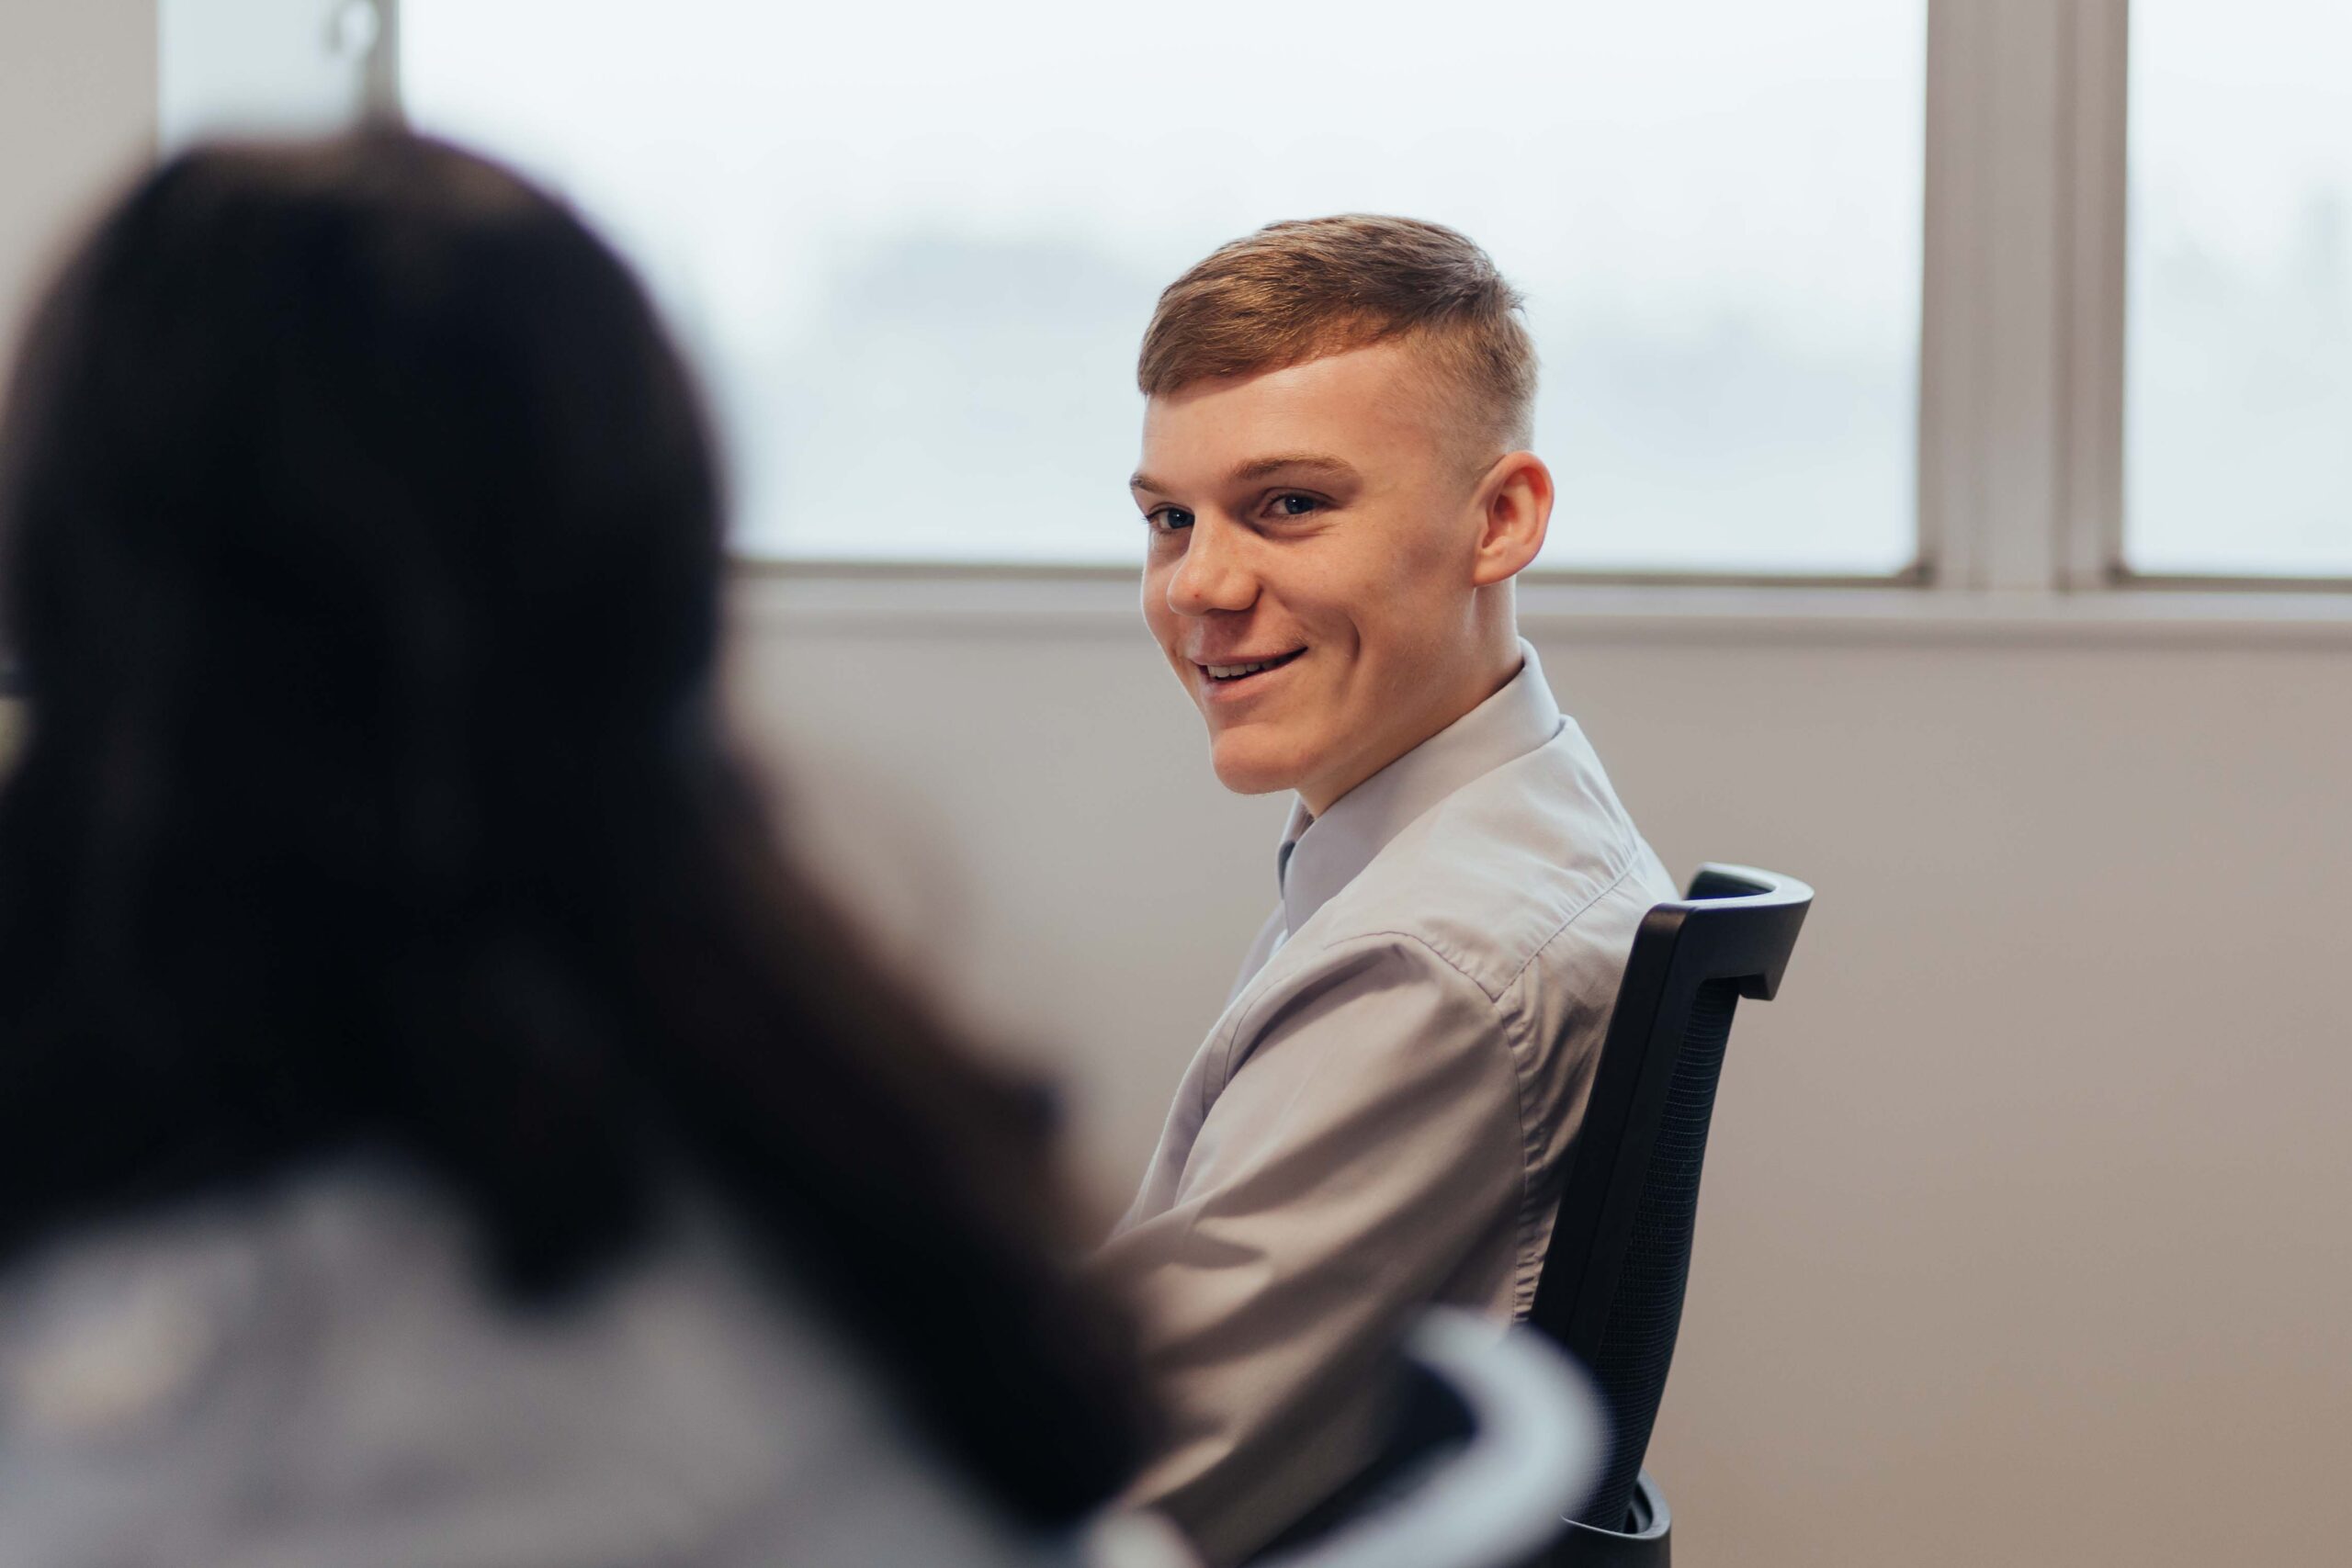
(315,1378)
(1380,1120)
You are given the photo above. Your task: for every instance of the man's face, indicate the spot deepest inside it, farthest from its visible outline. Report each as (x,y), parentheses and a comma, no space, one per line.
(1314,535)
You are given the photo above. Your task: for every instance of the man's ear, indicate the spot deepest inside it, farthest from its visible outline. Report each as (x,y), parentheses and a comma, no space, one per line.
(1514,513)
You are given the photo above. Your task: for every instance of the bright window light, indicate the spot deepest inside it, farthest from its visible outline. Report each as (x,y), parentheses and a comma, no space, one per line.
(261,67)
(2238,397)
(913,246)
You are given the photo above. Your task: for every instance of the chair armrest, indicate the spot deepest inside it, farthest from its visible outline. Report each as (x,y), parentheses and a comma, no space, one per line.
(1534,1449)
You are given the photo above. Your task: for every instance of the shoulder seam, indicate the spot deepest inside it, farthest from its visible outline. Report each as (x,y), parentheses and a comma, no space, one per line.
(1426,946)
(1248,1022)
(1535,949)
(1575,915)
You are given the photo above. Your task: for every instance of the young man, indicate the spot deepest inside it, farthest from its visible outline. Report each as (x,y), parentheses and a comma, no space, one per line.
(1338,491)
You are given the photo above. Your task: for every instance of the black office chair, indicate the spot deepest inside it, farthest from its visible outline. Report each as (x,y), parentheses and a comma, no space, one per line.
(1611,1288)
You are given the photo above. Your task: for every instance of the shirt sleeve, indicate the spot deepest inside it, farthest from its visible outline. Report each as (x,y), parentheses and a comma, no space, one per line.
(1367,1144)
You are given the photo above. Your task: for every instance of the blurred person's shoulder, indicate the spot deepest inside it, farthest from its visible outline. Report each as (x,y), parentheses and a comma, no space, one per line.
(315,1375)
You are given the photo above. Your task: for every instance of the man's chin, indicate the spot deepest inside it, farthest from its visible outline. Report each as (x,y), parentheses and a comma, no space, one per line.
(1248,769)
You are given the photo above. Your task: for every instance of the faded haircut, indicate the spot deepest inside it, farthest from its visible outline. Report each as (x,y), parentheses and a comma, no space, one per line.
(1300,290)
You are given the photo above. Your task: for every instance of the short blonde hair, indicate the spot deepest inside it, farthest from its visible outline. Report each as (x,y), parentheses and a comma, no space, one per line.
(1300,290)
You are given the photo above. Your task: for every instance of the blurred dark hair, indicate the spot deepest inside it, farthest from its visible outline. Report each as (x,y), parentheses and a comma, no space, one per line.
(362,547)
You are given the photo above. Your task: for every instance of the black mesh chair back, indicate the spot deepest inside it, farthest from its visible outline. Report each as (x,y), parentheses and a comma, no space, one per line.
(1613,1282)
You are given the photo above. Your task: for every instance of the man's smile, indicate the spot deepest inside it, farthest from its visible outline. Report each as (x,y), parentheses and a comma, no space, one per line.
(1236,676)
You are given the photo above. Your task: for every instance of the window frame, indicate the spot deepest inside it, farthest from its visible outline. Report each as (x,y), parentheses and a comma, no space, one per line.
(2022,456)
(2020,428)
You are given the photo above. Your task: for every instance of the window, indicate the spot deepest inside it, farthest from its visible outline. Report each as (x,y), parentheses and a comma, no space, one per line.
(1843,289)
(2238,355)
(913,246)
(266,67)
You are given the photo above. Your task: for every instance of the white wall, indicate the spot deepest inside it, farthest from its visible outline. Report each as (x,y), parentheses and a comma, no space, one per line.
(77,116)
(2024,1237)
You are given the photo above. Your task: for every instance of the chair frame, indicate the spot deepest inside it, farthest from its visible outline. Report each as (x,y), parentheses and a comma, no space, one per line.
(1736,924)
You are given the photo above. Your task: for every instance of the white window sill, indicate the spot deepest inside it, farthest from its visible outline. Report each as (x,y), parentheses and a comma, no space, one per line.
(967,601)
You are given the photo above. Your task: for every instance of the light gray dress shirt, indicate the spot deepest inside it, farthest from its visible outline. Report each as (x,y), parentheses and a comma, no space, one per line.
(1381,1118)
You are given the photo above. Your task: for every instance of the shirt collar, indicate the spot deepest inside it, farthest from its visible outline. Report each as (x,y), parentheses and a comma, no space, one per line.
(1320,855)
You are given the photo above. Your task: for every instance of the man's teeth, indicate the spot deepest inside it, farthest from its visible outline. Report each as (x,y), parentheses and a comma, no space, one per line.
(1228,671)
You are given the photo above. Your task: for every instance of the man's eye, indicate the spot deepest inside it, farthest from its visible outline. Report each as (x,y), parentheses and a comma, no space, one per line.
(1168,519)
(1295,505)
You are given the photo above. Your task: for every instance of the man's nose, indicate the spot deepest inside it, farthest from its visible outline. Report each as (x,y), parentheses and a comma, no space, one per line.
(1215,572)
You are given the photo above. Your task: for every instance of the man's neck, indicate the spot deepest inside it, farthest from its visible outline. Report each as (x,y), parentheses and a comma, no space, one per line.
(1490,677)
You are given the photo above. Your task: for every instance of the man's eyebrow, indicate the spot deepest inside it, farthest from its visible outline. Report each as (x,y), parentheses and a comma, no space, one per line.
(1311,462)
(1263,468)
